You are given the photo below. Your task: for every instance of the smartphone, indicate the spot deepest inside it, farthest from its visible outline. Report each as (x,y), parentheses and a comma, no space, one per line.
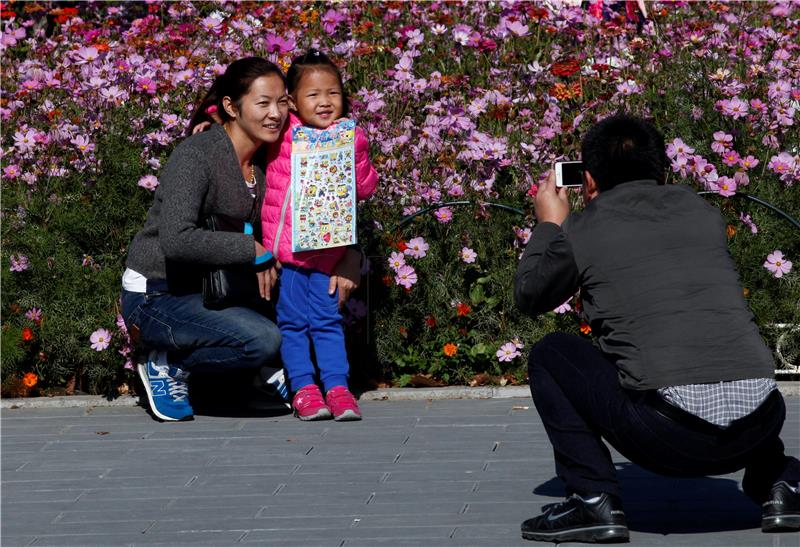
(569,174)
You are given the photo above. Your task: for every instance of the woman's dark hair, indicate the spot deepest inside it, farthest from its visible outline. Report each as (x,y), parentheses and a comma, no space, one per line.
(622,148)
(316,60)
(235,83)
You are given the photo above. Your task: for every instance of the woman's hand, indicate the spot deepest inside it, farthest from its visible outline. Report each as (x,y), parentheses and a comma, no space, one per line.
(269,277)
(346,275)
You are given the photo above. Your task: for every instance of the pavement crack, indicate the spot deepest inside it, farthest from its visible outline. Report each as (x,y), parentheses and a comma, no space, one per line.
(309,451)
(396,458)
(385,477)
(278,489)
(408,437)
(191,481)
(496,446)
(241,538)
(296,468)
(21,466)
(370,498)
(464,509)
(485,467)
(452,533)
(475,486)
(149,527)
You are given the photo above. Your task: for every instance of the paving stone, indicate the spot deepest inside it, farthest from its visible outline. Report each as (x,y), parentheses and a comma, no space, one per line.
(423,473)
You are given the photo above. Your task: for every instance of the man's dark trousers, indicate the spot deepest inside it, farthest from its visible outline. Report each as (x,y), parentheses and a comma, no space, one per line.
(579,398)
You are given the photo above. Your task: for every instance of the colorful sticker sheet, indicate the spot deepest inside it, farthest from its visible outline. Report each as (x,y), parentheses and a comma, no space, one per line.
(323,187)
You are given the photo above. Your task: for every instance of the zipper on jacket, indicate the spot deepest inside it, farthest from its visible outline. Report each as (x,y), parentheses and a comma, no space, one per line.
(276,243)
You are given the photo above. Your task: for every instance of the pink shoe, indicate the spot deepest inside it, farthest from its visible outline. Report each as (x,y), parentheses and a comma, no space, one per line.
(308,404)
(342,404)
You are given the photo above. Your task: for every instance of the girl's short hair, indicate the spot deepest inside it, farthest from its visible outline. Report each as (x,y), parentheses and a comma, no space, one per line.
(314,59)
(234,83)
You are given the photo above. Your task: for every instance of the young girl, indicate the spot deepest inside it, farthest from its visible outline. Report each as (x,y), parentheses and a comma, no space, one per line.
(306,311)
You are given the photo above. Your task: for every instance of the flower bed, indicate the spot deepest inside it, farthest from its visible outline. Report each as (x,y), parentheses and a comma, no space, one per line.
(462,102)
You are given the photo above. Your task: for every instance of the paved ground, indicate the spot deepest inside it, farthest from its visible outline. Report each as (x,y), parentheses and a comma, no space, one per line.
(421,473)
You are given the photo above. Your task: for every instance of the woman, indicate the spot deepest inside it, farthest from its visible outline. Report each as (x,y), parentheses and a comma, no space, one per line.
(220,171)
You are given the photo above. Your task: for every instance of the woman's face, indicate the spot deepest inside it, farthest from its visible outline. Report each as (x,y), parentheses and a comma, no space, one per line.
(318,98)
(263,109)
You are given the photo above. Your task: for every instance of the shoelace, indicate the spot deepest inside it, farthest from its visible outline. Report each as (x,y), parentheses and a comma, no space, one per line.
(558,505)
(177,389)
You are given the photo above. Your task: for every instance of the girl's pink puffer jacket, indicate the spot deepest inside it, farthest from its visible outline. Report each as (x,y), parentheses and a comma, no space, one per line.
(276,214)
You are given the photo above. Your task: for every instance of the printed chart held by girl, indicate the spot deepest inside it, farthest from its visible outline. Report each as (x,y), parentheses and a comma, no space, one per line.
(315,175)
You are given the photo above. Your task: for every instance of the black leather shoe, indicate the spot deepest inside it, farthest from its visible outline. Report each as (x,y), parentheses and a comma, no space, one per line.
(781,512)
(599,521)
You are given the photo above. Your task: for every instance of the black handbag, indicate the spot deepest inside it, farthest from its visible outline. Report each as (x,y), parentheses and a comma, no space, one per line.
(228,286)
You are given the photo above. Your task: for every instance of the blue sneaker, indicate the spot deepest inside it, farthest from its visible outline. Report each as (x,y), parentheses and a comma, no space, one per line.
(166,388)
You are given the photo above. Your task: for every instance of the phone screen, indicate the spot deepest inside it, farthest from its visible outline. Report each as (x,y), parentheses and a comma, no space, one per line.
(571,173)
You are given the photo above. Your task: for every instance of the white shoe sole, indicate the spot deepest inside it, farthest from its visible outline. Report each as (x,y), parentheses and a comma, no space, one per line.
(142,370)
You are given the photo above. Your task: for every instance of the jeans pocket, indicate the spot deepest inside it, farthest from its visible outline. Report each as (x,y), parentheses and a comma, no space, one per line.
(154,328)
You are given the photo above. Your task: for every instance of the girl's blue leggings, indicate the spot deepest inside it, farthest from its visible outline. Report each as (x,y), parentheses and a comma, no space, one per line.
(307,313)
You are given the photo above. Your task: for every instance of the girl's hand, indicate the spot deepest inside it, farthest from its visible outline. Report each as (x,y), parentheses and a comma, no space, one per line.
(346,275)
(269,277)
(200,127)
(267,280)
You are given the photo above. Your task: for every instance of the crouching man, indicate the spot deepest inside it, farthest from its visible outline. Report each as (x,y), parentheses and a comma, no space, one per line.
(679,380)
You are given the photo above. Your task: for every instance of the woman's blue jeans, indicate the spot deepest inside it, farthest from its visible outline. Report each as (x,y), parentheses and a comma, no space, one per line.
(199,338)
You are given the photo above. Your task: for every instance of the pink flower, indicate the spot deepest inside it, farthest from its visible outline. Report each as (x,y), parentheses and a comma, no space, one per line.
(416,248)
(629,87)
(100,339)
(331,20)
(443,214)
(145,85)
(724,186)
(517,28)
(722,142)
(83,144)
(777,264)
(564,308)
(781,164)
(749,162)
(507,352)
(396,260)
(468,255)
(748,222)
(11,171)
(86,55)
(733,107)
(278,44)
(731,157)
(148,181)
(34,314)
(19,263)
(678,147)
(406,276)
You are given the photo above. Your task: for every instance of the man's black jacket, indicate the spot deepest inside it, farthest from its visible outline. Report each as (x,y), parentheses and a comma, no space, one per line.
(659,287)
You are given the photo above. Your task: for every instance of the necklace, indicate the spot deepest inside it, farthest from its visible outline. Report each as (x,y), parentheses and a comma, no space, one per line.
(251,183)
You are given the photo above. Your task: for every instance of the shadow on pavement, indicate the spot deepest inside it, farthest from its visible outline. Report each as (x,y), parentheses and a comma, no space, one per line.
(668,505)
(230,394)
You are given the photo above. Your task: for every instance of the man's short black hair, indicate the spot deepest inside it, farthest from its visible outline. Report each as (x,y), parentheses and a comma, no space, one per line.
(622,148)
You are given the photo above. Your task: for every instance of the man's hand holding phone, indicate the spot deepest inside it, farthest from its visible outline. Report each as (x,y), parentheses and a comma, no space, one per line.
(550,203)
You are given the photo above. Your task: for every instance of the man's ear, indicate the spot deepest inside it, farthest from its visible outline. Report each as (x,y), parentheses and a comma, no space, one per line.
(590,189)
(230,107)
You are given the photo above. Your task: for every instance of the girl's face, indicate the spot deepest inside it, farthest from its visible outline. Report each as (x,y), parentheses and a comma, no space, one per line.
(263,109)
(318,98)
